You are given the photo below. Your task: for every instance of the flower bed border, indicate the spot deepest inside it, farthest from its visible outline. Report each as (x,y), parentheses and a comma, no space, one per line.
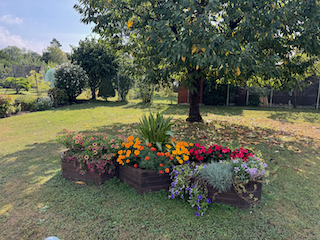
(69,171)
(232,198)
(144,180)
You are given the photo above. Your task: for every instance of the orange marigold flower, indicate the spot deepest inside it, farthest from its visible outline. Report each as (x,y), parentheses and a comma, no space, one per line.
(147,158)
(191,144)
(122,144)
(127,145)
(127,161)
(171,158)
(161,165)
(136,152)
(149,144)
(173,139)
(167,154)
(120,152)
(130,139)
(161,171)
(159,154)
(162,154)
(153,149)
(141,148)
(128,153)
(135,165)
(167,170)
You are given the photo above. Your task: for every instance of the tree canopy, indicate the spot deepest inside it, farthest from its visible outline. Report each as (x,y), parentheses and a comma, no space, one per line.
(237,41)
(98,61)
(54,54)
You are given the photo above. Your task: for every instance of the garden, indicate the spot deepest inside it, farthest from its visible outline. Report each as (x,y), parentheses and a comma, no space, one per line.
(37,201)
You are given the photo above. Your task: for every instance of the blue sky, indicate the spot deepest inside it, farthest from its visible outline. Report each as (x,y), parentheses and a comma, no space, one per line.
(34,23)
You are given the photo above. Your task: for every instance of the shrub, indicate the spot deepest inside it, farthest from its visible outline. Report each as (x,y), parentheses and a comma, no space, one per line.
(58,96)
(43,104)
(125,83)
(17,84)
(71,78)
(156,130)
(6,105)
(106,89)
(27,103)
(219,175)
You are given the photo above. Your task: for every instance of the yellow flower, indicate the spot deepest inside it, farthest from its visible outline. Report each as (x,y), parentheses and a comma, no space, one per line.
(129,24)
(130,139)
(128,153)
(180,161)
(127,161)
(185,158)
(120,152)
(168,146)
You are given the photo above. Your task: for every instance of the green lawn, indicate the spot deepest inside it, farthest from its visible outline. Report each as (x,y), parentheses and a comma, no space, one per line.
(36,202)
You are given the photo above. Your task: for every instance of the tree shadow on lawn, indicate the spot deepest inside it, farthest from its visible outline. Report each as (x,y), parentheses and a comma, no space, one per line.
(89,104)
(294,115)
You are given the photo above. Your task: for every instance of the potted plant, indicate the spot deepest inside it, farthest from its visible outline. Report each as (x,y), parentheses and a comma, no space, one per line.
(90,157)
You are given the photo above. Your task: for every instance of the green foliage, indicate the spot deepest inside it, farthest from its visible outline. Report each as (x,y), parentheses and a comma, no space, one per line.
(49,76)
(106,89)
(146,89)
(27,103)
(43,104)
(216,94)
(37,81)
(219,175)
(6,105)
(99,63)
(54,54)
(71,78)
(156,130)
(125,83)
(17,84)
(58,96)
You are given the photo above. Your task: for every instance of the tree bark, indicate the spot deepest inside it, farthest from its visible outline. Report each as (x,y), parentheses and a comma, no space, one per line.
(93,93)
(194,111)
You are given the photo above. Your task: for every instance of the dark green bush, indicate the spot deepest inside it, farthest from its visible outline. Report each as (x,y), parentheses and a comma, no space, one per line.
(58,96)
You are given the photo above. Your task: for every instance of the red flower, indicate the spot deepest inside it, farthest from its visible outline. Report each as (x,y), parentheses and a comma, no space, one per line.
(197,144)
(153,149)
(135,165)
(268,191)
(161,171)
(160,164)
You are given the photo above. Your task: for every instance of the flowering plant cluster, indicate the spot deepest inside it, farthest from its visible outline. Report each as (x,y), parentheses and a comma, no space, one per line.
(249,169)
(242,153)
(146,156)
(218,152)
(92,151)
(182,186)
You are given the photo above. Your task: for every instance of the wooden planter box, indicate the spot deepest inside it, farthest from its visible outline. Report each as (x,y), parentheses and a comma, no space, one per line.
(144,180)
(233,199)
(69,171)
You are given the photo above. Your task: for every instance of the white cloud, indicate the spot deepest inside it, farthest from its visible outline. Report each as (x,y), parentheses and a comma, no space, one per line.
(11,20)
(7,39)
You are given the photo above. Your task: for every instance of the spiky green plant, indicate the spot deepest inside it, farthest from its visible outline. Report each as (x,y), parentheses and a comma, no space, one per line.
(156,130)
(219,175)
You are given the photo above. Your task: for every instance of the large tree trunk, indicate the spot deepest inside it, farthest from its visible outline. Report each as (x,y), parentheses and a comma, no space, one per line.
(194,111)
(93,93)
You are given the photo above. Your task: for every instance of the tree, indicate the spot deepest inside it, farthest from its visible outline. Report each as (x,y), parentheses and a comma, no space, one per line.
(98,61)
(37,81)
(17,84)
(54,54)
(235,40)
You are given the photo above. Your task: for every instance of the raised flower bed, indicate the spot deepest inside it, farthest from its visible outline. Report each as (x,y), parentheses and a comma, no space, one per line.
(70,170)
(90,156)
(144,180)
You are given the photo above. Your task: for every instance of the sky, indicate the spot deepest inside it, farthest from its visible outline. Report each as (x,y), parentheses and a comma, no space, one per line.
(34,23)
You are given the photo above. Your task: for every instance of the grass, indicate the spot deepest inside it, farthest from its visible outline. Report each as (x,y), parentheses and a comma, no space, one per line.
(36,202)
(12,93)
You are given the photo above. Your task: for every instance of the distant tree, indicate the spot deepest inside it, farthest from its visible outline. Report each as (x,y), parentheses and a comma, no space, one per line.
(54,54)
(17,84)
(38,82)
(99,63)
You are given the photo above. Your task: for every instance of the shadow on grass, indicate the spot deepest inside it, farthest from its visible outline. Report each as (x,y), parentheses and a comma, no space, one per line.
(294,115)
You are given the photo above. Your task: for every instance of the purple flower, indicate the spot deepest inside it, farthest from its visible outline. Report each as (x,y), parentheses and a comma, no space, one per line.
(204,166)
(197,201)
(182,196)
(188,188)
(200,197)
(236,169)
(235,160)
(243,165)
(264,164)
(208,200)
(172,196)
(198,214)
(198,208)
(193,186)
(187,162)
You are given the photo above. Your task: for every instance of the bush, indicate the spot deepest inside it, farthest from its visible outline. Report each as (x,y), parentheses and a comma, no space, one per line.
(219,175)
(71,78)
(58,96)
(156,130)
(27,103)
(125,84)
(106,89)
(17,84)
(6,105)
(43,104)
